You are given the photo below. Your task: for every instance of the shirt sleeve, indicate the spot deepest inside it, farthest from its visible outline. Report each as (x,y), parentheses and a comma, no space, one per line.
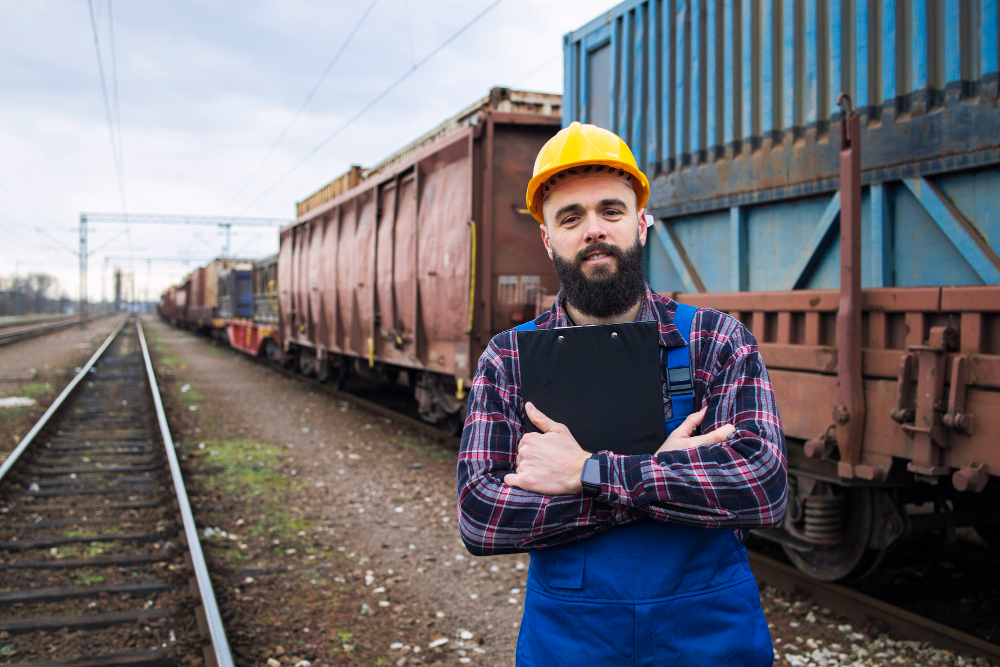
(740,483)
(495,518)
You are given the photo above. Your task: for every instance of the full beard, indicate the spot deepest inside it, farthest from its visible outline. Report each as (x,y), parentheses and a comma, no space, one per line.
(607,292)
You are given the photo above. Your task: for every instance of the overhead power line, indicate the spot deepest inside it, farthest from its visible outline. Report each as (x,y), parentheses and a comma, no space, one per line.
(185,219)
(27,203)
(305,102)
(114,89)
(378,98)
(107,107)
(536,70)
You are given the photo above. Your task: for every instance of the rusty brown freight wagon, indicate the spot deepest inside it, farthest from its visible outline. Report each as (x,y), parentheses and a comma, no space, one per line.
(168,305)
(418,265)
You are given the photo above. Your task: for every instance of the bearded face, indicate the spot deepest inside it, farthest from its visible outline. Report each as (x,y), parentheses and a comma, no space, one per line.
(611,288)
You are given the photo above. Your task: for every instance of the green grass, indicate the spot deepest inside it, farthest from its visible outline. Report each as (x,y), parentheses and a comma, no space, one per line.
(34,389)
(192,395)
(81,550)
(241,474)
(14,413)
(88,576)
(238,473)
(429,451)
(173,362)
(81,533)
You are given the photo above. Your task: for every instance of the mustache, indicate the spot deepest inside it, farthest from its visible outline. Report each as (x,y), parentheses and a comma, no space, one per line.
(600,246)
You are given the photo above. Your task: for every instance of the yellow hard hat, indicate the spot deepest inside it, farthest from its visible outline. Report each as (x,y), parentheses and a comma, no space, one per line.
(581,145)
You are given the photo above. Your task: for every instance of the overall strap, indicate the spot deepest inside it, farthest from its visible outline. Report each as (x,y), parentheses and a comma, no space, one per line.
(527,326)
(680,375)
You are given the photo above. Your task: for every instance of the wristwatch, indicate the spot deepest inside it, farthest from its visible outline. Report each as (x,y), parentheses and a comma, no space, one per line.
(590,478)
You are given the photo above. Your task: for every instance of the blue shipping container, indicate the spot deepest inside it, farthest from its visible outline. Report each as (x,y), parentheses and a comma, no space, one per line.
(731,109)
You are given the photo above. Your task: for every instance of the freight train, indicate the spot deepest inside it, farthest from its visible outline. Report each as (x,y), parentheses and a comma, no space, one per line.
(887,382)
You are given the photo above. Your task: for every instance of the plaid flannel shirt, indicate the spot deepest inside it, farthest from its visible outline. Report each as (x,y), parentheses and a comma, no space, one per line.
(740,483)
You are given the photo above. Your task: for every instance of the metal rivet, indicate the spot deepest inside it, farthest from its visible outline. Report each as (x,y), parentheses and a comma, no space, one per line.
(561,338)
(614,334)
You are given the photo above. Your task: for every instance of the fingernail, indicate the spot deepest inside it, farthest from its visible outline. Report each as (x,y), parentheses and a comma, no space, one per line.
(529,406)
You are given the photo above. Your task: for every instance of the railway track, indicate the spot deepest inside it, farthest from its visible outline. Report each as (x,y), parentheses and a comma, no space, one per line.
(101,563)
(856,605)
(14,333)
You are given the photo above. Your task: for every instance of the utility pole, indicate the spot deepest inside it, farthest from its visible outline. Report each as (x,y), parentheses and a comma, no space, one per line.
(83,270)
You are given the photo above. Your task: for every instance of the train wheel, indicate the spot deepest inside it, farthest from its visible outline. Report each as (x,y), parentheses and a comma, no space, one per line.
(864,542)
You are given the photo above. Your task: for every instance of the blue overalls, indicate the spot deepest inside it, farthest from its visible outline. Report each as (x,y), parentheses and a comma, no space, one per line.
(649,593)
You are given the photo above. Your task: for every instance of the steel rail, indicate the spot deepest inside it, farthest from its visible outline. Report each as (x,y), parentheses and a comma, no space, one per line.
(19,333)
(24,333)
(56,404)
(854,604)
(8,322)
(220,644)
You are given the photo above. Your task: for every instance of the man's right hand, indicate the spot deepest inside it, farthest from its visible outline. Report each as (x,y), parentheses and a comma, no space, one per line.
(683,436)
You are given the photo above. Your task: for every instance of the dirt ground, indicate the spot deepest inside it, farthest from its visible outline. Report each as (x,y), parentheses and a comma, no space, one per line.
(38,369)
(332,533)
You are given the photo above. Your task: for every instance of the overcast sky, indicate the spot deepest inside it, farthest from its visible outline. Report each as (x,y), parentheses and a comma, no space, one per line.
(205,89)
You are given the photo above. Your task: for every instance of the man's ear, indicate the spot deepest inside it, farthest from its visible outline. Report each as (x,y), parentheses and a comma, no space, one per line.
(545,240)
(643,226)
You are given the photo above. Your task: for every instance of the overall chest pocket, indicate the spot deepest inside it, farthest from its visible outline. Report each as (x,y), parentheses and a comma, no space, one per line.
(559,567)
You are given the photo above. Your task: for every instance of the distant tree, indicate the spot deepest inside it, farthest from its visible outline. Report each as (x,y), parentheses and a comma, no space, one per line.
(30,294)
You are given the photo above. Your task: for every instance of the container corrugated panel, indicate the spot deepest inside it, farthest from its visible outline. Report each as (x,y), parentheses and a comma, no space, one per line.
(731,109)
(725,99)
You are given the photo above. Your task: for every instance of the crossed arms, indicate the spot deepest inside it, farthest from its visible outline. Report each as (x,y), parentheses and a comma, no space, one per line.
(735,482)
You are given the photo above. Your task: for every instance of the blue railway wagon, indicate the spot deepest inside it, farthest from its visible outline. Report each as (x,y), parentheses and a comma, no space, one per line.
(732,110)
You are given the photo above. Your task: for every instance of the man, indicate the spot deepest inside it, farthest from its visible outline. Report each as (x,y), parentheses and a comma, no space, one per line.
(635,560)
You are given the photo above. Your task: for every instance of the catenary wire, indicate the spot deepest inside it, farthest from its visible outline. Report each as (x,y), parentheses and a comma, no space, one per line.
(305,103)
(535,71)
(114,87)
(28,204)
(378,98)
(107,108)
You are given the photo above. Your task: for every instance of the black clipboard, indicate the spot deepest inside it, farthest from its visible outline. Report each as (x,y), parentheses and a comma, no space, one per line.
(603,382)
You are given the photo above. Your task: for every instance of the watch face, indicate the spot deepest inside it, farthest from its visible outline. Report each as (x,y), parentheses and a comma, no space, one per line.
(591,476)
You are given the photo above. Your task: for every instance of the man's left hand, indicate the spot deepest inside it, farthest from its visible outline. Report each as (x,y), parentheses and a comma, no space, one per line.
(549,462)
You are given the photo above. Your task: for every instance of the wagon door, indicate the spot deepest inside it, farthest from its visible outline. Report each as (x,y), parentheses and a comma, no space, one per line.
(363,329)
(444,215)
(315,284)
(385,342)
(348,216)
(405,270)
(328,280)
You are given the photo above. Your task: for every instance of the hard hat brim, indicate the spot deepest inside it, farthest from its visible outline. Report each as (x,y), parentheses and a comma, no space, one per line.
(533,199)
